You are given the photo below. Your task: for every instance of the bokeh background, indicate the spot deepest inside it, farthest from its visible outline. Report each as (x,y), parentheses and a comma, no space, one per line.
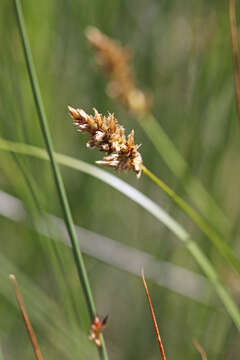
(183,57)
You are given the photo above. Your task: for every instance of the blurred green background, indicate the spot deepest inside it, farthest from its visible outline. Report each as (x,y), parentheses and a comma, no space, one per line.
(183,57)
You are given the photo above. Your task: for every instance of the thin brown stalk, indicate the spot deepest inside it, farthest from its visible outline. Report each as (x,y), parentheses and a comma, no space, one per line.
(233,25)
(200,349)
(161,348)
(25,318)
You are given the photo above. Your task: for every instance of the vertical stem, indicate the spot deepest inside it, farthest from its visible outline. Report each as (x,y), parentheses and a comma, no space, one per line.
(159,340)
(233,25)
(26,319)
(55,169)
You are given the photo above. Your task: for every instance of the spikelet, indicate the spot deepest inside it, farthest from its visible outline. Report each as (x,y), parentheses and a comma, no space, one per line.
(109,137)
(115,60)
(96,329)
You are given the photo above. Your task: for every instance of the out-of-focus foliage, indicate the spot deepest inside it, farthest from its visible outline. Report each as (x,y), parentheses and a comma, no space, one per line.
(182,56)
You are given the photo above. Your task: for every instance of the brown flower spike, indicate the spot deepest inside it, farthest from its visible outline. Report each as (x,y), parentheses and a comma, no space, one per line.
(107,135)
(96,329)
(115,60)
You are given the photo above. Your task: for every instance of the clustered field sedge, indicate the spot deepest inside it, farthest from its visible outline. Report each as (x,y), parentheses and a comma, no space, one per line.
(122,154)
(109,137)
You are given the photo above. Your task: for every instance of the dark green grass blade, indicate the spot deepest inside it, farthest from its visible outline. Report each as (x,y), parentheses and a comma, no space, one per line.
(56,173)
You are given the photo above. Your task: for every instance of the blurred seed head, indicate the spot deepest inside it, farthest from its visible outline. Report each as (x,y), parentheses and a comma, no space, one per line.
(115,61)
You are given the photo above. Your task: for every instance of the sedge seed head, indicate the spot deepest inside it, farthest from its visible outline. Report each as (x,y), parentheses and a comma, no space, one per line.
(109,137)
(116,62)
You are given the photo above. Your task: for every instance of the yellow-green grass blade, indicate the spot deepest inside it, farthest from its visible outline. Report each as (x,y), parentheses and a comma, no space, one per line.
(144,202)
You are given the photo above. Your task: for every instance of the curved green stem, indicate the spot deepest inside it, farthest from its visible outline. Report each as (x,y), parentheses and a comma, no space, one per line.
(55,169)
(177,164)
(144,202)
(222,247)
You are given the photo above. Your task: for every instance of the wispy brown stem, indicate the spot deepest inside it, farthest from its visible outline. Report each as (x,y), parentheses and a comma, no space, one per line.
(153,318)
(233,24)
(200,349)
(26,319)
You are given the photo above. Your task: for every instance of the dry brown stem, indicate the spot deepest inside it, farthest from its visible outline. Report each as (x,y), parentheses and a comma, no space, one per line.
(200,349)
(161,348)
(26,319)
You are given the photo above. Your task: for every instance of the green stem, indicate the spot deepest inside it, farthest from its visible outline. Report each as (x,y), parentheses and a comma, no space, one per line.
(55,169)
(147,204)
(177,164)
(210,272)
(222,247)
